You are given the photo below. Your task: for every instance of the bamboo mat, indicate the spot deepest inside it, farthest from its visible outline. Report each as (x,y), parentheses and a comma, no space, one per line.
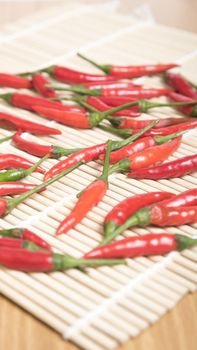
(102,308)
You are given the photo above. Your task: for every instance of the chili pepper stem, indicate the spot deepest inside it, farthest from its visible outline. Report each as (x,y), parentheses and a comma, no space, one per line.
(36,165)
(7,138)
(104,67)
(141,217)
(145,105)
(12,203)
(184,242)
(62,262)
(105,173)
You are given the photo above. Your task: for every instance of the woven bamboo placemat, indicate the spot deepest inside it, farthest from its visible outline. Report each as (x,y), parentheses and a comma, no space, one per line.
(105,306)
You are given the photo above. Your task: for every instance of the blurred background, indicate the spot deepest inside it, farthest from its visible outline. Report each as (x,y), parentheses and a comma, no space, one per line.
(176,13)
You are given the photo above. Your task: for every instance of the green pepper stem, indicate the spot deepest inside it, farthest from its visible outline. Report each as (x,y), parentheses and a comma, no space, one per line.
(125,133)
(12,232)
(63,262)
(159,140)
(75,89)
(6,139)
(122,166)
(184,242)
(104,67)
(105,173)
(145,105)
(60,151)
(12,203)
(36,165)
(141,217)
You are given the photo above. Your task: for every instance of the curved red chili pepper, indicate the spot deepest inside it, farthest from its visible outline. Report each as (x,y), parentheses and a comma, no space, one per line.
(14,81)
(123,210)
(39,81)
(41,150)
(25,234)
(89,197)
(28,101)
(148,244)
(90,153)
(177,168)
(181,85)
(26,125)
(131,71)
(138,146)
(184,199)
(102,107)
(71,76)
(127,123)
(12,188)
(44,261)
(147,157)
(8,161)
(188,110)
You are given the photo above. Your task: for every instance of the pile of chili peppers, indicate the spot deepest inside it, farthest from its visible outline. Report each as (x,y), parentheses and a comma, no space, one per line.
(147,144)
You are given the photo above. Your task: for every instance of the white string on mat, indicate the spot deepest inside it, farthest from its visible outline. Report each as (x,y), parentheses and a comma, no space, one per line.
(118,295)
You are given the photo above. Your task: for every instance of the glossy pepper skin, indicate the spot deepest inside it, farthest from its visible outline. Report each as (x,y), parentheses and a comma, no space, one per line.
(158,215)
(102,107)
(17,174)
(25,101)
(90,153)
(146,245)
(25,234)
(187,110)
(39,81)
(147,157)
(184,199)
(40,150)
(127,123)
(111,85)
(131,71)
(8,161)
(138,146)
(12,188)
(123,210)
(176,168)
(89,197)
(180,85)
(14,81)
(26,125)
(40,261)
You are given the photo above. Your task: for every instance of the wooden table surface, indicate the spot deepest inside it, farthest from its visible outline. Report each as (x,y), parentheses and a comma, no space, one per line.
(177,330)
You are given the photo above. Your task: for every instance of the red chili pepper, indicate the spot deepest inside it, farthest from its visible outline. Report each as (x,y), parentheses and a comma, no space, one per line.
(188,110)
(127,123)
(138,146)
(90,153)
(27,125)
(28,101)
(40,261)
(157,215)
(41,150)
(177,168)
(111,85)
(88,198)
(181,85)
(102,107)
(184,199)
(11,242)
(11,188)
(27,235)
(78,120)
(14,81)
(8,161)
(131,71)
(123,210)
(149,244)
(17,174)
(154,132)
(7,205)
(137,93)
(147,157)
(39,81)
